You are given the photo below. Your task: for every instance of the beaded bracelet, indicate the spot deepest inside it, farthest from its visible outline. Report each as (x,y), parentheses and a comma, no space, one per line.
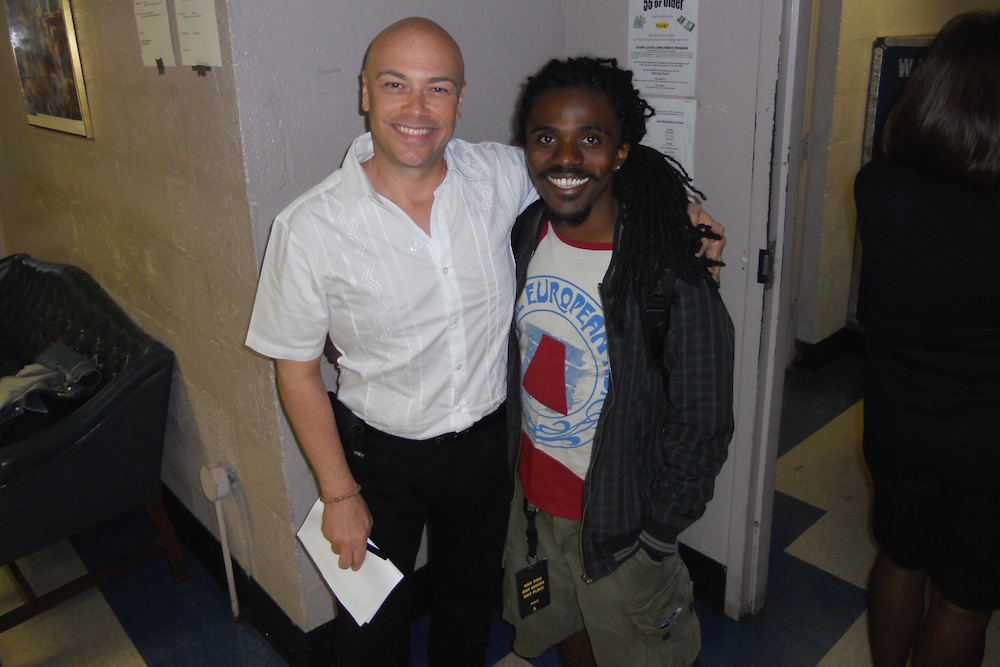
(337,499)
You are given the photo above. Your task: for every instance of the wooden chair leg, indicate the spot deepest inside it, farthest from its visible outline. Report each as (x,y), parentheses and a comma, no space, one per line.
(21,584)
(167,543)
(158,513)
(36,605)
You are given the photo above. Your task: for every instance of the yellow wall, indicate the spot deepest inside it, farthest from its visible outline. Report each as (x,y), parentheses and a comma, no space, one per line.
(169,207)
(862,21)
(155,208)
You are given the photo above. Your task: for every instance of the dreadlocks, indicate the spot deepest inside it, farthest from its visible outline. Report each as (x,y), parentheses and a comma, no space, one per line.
(651,187)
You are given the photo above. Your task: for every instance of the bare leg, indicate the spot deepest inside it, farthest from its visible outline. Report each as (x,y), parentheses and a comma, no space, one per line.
(895,611)
(950,635)
(575,650)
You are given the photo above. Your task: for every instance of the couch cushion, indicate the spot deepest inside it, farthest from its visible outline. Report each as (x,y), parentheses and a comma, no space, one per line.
(30,423)
(10,363)
(41,304)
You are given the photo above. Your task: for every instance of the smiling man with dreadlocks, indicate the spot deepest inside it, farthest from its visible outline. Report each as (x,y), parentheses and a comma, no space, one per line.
(623,426)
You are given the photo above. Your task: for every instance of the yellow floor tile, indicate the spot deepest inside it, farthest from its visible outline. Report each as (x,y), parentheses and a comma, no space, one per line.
(81,631)
(852,648)
(827,471)
(512,660)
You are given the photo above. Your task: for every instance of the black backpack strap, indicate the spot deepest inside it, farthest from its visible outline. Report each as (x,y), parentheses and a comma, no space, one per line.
(656,315)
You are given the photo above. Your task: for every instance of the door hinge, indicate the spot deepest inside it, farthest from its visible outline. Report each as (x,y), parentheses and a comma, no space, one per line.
(765,265)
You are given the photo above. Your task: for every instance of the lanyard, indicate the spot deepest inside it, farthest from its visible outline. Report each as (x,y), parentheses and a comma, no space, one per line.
(530,512)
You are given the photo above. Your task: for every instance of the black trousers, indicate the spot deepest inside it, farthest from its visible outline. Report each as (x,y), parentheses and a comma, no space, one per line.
(460,487)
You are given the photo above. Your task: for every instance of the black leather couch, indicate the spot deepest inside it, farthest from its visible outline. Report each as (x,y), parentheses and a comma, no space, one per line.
(83,461)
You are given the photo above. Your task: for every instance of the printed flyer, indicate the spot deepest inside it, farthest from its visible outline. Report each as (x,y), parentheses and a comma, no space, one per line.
(663,45)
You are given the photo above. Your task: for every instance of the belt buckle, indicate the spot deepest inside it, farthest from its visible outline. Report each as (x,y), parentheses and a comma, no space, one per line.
(446,437)
(455,435)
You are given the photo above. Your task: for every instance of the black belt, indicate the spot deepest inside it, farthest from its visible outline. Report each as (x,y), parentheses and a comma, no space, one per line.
(497,415)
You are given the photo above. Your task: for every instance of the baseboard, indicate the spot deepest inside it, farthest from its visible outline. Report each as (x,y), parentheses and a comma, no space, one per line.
(811,357)
(296,646)
(708,576)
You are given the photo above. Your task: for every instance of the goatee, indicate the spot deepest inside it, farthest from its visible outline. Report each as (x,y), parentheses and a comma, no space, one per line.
(571,220)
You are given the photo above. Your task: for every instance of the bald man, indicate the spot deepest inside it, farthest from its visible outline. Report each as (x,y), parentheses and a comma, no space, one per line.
(403,257)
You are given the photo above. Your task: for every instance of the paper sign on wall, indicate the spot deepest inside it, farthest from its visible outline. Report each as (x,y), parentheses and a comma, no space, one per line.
(663,45)
(153,23)
(663,54)
(199,32)
(671,130)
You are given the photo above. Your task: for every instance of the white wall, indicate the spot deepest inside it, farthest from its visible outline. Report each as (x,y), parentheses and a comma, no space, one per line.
(297,79)
(294,78)
(297,67)
(735,92)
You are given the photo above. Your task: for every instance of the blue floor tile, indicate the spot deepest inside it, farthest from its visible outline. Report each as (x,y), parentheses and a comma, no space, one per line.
(806,611)
(171,623)
(501,640)
(791,518)
(811,399)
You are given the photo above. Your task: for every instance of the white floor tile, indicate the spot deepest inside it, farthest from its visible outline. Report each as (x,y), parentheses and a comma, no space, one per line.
(512,660)
(827,471)
(81,631)
(852,649)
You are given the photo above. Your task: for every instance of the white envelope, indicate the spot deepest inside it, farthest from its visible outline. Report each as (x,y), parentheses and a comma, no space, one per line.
(362,592)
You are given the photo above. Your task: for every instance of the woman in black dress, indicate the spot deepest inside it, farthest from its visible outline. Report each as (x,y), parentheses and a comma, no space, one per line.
(929,218)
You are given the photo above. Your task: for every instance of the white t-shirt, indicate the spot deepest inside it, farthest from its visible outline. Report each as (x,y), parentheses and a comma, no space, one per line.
(421,321)
(564,369)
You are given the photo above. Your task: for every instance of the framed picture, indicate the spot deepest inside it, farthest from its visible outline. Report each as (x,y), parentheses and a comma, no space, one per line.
(893,61)
(44,41)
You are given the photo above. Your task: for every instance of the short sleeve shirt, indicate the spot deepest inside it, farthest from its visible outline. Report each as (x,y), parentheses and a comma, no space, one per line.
(421,320)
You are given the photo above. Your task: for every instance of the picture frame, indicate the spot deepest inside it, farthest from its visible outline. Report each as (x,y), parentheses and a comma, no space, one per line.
(43,36)
(893,61)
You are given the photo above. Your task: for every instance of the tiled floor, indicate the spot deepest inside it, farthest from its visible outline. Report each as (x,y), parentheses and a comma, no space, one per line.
(814,615)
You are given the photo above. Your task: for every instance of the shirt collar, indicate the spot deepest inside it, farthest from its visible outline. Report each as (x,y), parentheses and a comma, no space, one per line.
(457,155)
(356,185)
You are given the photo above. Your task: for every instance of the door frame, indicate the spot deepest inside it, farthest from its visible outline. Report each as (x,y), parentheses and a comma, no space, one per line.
(784,90)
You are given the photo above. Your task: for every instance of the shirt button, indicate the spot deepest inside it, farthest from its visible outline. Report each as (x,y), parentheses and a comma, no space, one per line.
(445,269)
(459,367)
(416,244)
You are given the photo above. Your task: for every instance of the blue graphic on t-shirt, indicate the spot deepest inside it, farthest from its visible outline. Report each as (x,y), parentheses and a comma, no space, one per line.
(562,311)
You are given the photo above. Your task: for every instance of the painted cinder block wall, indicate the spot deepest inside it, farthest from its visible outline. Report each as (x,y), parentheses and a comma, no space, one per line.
(169,207)
(297,74)
(155,207)
(828,234)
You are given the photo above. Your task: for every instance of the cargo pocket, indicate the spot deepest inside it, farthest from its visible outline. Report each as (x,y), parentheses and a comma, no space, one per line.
(666,628)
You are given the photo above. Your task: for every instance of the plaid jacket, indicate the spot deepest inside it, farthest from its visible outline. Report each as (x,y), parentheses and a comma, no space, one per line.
(656,453)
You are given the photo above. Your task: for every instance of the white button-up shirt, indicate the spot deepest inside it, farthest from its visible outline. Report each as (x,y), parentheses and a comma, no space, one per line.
(421,321)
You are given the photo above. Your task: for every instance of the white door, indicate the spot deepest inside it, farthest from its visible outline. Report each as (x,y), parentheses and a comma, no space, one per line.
(746,593)
(750,85)
(740,45)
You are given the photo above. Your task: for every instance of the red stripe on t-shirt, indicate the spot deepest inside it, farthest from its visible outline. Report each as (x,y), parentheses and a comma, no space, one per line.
(548,484)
